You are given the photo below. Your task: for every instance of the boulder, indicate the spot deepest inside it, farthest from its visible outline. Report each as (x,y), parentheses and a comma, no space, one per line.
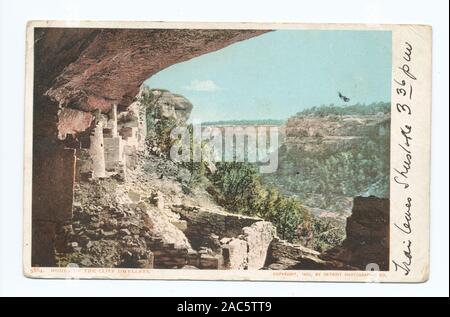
(258,237)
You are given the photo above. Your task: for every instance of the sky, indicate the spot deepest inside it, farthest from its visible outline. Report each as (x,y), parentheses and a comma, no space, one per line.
(277,74)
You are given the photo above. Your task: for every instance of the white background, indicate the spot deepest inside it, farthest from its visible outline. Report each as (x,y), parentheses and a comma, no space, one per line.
(13,18)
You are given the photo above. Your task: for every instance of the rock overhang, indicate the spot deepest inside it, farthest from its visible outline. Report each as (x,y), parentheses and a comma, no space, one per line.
(89,69)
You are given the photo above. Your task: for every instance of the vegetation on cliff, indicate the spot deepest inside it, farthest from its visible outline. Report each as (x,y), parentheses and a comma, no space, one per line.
(357,109)
(244,122)
(239,188)
(346,157)
(351,172)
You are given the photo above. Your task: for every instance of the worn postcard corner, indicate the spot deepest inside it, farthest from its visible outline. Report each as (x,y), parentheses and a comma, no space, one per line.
(227,151)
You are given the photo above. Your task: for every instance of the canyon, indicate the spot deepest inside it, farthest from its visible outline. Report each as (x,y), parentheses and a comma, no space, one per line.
(331,154)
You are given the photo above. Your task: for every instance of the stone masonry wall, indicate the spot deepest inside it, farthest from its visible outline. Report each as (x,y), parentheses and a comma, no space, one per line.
(202,223)
(232,241)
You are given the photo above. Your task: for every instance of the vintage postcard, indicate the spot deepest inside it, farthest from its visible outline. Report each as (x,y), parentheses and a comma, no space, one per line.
(227,151)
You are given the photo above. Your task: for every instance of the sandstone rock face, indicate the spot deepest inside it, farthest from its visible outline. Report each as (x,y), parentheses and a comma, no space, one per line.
(164,112)
(167,105)
(367,241)
(94,68)
(73,121)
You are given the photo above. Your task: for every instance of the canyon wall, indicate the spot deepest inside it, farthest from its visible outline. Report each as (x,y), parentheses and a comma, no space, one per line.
(332,133)
(327,159)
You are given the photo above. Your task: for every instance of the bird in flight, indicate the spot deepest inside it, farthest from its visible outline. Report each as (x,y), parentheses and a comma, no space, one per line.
(346,99)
